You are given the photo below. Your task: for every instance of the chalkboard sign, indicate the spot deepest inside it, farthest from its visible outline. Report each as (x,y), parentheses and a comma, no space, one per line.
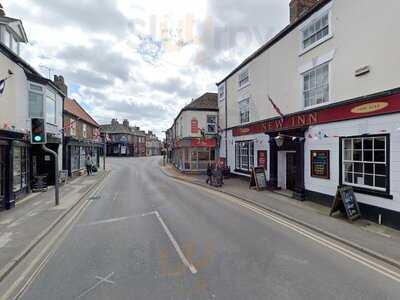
(346,201)
(320,164)
(258,178)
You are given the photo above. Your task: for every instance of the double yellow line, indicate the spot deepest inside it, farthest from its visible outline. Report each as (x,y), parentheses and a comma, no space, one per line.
(364,260)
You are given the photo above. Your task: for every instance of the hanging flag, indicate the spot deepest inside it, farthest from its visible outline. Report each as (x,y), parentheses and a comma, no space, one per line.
(278,111)
(2,86)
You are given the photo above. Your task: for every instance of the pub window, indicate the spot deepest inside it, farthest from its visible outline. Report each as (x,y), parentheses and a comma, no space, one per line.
(316,85)
(365,163)
(244,155)
(316,31)
(244,110)
(244,79)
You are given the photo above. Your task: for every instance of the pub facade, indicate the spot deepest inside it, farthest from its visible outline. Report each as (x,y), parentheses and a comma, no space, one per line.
(317,109)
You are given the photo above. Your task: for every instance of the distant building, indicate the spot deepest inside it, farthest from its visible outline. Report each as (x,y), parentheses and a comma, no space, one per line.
(153,144)
(81,138)
(124,140)
(192,140)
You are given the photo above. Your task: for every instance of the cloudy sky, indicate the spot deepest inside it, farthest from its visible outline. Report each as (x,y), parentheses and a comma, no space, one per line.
(143,59)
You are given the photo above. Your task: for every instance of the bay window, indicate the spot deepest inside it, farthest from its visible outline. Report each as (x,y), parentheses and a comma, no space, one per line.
(244,156)
(365,162)
(51,108)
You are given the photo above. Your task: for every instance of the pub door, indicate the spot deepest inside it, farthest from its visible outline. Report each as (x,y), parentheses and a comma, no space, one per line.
(291,171)
(2,175)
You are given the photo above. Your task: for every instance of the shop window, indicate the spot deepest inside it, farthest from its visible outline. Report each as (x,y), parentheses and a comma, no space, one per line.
(211,124)
(316,85)
(244,110)
(19,168)
(365,162)
(244,152)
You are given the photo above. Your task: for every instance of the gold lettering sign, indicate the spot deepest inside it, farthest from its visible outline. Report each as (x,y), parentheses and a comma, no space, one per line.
(369,107)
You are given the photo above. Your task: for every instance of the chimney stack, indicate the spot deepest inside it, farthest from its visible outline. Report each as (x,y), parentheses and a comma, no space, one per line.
(2,12)
(114,122)
(299,7)
(126,123)
(59,82)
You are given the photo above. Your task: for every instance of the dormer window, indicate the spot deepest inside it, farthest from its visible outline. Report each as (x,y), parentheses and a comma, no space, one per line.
(9,40)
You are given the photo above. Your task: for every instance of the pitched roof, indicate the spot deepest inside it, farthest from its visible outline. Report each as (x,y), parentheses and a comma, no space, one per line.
(72,106)
(204,102)
(280,35)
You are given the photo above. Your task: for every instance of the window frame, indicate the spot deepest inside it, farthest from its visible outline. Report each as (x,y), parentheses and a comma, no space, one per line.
(84,130)
(212,123)
(315,70)
(38,90)
(54,100)
(72,127)
(221,87)
(247,83)
(365,189)
(241,113)
(239,154)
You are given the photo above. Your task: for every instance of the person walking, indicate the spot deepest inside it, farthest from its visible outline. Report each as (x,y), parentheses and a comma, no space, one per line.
(209,174)
(88,164)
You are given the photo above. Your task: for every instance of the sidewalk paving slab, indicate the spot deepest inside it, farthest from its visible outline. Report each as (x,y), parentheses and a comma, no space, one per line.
(34,215)
(376,240)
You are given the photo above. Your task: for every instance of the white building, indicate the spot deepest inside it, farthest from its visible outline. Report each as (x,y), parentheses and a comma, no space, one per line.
(24,94)
(194,134)
(333,73)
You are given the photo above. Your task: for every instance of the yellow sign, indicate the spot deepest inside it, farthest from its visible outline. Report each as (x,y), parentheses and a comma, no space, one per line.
(369,107)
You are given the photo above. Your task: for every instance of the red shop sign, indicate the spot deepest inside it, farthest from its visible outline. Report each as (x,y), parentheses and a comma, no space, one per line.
(204,143)
(360,109)
(194,126)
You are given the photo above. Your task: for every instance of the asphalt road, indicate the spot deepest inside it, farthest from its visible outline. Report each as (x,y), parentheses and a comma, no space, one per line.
(151,237)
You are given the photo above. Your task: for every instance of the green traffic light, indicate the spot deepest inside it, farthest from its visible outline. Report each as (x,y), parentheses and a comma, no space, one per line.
(38,138)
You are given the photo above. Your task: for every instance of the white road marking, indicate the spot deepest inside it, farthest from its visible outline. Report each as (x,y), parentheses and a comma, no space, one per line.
(178,249)
(101,280)
(5,238)
(32,213)
(7,221)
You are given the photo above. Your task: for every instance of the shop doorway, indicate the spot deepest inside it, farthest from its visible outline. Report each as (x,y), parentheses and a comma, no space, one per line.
(291,171)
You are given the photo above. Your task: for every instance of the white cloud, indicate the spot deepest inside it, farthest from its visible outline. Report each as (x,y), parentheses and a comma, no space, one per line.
(145,59)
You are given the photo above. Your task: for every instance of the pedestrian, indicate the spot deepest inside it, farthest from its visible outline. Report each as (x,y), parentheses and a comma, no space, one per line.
(218,176)
(88,164)
(209,174)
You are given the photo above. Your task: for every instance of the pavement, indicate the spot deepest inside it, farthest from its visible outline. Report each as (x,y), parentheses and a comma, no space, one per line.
(376,240)
(22,227)
(150,236)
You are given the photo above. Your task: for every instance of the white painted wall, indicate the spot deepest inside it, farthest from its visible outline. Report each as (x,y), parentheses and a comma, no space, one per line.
(352,128)
(13,102)
(186,119)
(361,37)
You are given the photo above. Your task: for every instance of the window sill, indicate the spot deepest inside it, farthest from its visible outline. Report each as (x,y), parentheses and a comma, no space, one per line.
(242,171)
(370,192)
(316,44)
(244,86)
(316,105)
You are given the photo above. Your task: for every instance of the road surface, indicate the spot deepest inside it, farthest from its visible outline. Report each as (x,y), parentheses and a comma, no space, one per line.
(151,237)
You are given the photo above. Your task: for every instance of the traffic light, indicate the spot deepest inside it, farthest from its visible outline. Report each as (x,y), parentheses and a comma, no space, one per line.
(38,131)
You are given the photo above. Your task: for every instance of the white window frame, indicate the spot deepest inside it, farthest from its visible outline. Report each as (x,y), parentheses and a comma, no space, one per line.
(240,80)
(303,90)
(212,124)
(244,149)
(50,95)
(362,161)
(84,130)
(221,90)
(39,90)
(72,127)
(247,99)
(325,11)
